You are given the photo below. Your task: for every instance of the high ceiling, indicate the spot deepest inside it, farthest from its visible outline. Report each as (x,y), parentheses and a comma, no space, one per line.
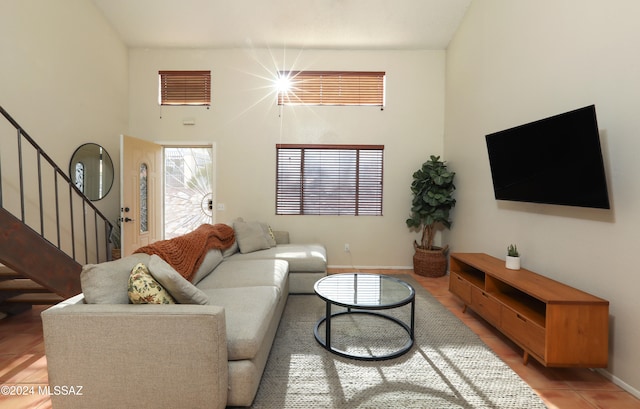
(330,24)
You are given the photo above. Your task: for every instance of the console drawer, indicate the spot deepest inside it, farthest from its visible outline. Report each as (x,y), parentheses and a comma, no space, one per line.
(460,287)
(485,305)
(523,330)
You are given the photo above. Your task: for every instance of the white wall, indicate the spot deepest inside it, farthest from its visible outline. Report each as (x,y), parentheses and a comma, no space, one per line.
(64,79)
(513,62)
(246,124)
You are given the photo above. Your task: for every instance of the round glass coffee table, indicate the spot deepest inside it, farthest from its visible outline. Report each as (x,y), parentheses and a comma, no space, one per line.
(366,294)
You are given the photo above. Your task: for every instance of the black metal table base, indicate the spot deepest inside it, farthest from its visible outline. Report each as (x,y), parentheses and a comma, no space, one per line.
(326,343)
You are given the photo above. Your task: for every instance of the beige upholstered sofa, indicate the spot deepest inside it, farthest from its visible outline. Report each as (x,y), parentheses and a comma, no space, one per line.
(176,355)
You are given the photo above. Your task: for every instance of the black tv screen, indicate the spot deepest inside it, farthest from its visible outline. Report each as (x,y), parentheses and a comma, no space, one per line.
(556,160)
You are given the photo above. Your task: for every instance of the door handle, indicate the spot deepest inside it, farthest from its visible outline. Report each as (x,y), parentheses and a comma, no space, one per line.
(126,219)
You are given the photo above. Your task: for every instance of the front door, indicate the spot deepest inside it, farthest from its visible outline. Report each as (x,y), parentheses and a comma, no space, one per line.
(188,188)
(141,184)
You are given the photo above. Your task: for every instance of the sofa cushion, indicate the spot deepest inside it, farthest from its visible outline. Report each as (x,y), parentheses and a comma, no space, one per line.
(144,289)
(106,283)
(210,261)
(180,288)
(281,236)
(248,273)
(301,257)
(248,313)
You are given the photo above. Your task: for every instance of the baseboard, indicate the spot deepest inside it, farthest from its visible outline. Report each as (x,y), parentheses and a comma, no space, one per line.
(373,267)
(619,382)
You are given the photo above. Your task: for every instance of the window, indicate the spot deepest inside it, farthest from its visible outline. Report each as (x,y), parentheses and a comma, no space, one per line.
(185,88)
(329,179)
(331,88)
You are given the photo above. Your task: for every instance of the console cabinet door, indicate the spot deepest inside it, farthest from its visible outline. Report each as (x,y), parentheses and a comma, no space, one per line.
(460,287)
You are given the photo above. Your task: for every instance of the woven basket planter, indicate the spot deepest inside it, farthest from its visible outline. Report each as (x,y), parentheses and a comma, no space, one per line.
(430,263)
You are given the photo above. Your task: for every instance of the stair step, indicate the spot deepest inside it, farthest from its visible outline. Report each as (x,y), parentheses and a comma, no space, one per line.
(35,299)
(22,285)
(8,274)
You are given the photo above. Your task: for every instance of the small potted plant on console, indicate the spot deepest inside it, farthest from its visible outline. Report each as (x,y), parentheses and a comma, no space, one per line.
(513,257)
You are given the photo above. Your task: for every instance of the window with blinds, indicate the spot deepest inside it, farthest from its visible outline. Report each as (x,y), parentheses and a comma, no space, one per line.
(329,179)
(184,88)
(331,88)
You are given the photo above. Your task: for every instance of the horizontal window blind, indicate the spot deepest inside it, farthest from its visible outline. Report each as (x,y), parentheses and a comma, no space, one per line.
(185,87)
(332,88)
(329,179)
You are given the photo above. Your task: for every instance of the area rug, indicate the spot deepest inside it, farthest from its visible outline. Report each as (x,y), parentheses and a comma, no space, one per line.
(448,366)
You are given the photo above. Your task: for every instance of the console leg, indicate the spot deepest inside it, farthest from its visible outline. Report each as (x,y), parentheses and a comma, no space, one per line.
(525,358)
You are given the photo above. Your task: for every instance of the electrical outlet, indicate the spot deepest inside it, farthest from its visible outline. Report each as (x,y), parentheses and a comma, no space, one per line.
(347,249)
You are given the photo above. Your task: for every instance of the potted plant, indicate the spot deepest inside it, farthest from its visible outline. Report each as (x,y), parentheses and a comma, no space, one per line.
(432,190)
(513,257)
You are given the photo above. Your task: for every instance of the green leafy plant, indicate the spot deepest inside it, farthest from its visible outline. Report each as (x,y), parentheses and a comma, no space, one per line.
(512,251)
(432,189)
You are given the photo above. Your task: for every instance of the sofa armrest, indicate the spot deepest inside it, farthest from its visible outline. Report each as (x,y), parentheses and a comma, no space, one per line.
(125,355)
(281,236)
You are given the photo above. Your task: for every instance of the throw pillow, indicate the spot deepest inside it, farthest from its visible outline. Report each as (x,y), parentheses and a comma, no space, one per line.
(268,233)
(250,236)
(144,289)
(179,287)
(106,283)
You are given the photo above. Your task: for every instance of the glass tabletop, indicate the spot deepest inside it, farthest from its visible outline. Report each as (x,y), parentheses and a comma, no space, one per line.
(361,290)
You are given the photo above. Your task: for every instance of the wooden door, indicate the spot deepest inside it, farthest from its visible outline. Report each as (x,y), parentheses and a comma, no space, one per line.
(141,196)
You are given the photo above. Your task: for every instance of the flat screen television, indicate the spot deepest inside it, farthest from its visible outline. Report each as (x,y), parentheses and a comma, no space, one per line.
(556,160)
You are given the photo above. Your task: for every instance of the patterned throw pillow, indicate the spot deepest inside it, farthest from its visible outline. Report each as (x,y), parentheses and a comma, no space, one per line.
(144,289)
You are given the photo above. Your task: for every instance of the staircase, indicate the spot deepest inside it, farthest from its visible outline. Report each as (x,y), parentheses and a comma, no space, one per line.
(48,228)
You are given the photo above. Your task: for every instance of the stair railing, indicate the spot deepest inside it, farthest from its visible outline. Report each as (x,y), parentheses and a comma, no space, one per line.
(51,214)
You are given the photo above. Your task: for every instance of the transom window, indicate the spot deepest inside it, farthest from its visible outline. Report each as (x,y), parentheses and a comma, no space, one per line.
(329,179)
(184,88)
(331,88)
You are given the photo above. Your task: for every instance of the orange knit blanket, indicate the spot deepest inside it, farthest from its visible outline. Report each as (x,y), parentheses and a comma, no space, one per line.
(185,253)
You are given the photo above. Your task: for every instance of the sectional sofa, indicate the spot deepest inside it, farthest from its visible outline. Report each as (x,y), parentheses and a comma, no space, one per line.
(208,349)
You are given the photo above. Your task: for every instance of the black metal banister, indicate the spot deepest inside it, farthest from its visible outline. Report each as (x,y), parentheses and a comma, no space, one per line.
(57,173)
(21,175)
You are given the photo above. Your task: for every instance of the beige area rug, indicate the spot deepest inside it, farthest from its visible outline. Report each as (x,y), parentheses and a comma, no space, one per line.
(448,366)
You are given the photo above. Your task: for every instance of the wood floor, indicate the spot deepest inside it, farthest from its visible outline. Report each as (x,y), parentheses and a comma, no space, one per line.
(23,362)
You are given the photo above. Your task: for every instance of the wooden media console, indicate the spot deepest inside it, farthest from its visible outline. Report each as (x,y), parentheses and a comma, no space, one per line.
(556,324)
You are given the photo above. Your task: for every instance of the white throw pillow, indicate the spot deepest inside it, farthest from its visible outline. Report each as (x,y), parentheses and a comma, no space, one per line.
(106,283)
(250,236)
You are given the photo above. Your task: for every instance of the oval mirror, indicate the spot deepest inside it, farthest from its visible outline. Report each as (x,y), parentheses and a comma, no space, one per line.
(91,170)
